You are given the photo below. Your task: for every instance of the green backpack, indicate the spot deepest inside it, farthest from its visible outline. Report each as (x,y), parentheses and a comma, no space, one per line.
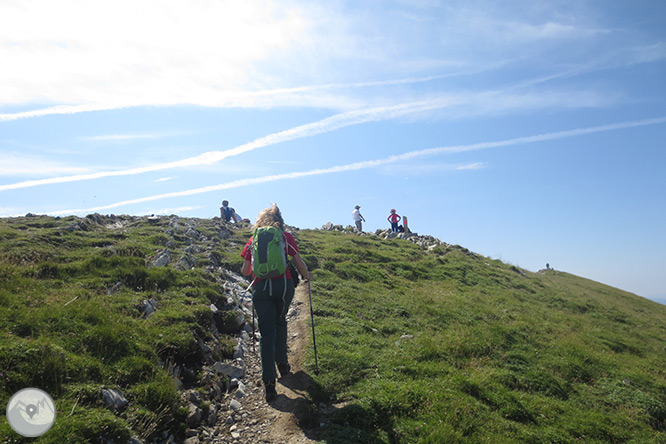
(268,255)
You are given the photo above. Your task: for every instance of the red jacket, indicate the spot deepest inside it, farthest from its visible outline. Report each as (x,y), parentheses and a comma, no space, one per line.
(394,218)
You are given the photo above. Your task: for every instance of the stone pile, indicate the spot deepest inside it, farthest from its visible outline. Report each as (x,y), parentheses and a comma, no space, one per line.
(425,241)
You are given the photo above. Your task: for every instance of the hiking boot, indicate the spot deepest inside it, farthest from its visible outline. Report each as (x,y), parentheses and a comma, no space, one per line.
(284,368)
(271,393)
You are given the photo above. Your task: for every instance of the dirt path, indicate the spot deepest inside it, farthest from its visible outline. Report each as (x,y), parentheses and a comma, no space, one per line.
(287,419)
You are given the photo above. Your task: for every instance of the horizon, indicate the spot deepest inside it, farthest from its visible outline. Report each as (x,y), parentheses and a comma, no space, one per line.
(529,133)
(661,299)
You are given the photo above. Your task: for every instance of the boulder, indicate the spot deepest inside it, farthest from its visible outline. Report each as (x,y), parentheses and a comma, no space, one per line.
(148,307)
(229,370)
(235,405)
(194,416)
(163,258)
(113,399)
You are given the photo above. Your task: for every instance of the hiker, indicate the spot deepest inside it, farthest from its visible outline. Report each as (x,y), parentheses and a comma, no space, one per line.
(226,212)
(394,218)
(358,217)
(271,296)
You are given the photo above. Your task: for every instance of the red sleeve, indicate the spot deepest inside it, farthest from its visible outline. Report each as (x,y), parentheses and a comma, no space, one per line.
(292,248)
(247,250)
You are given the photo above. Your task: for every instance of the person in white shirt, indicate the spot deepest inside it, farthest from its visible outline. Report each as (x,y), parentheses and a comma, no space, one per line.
(358,217)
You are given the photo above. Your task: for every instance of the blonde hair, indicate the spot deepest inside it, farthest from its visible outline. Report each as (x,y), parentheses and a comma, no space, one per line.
(270,217)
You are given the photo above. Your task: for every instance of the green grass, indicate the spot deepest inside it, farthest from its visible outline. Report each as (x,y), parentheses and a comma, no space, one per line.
(63,331)
(498,354)
(414,346)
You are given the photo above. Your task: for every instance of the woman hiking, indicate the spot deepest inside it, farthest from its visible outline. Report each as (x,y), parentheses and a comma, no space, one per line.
(394,218)
(271,298)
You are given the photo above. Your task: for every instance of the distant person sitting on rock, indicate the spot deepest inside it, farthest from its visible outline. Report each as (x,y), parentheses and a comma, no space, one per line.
(226,212)
(358,217)
(394,218)
(271,296)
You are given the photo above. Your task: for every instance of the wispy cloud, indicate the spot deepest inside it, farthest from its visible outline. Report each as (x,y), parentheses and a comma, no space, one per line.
(431,167)
(174,210)
(378,162)
(64,109)
(480,103)
(226,54)
(168,52)
(311,129)
(471,166)
(14,164)
(126,137)
(241,99)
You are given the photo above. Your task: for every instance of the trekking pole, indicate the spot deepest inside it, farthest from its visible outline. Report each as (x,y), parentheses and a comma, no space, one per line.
(314,340)
(254,335)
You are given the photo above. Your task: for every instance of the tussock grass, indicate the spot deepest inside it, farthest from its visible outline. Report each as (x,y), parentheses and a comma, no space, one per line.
(70,322)
(493,354)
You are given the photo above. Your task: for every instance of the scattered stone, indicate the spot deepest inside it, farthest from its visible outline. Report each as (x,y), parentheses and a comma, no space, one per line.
(239,350)
(163,258)
(235,406)
(193,234)
(192,249)
(211,418)
(117,286)
(195,397)
(404,338)
(194,416)
(184,263)
(113,399)
(149,307)
(215,259)
(229,370)
(240,391)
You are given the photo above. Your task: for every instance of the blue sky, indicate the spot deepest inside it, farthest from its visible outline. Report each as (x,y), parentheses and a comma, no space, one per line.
(528,131)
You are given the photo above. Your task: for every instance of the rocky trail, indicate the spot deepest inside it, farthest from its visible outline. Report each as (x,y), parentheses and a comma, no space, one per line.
(227,404)
(280,422)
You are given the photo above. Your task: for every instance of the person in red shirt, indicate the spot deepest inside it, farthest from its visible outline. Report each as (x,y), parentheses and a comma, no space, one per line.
(394,218)
(271,299)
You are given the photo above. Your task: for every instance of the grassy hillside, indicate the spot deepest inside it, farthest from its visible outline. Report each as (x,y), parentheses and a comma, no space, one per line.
(415,346)
(449,346)
(71,321)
